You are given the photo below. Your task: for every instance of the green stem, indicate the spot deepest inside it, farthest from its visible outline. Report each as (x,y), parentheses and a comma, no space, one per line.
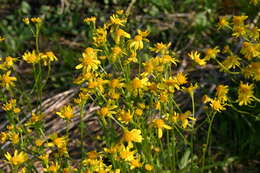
(207,141)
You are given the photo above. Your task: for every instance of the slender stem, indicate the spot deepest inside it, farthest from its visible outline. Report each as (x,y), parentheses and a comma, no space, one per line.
(205,148)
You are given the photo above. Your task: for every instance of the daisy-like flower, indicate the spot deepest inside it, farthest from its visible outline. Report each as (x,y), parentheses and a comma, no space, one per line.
(239,20)
(223,22)
(137,42)
(31,57)
(89,61)
(125,116)
(7,81)
(160,48)
(66,112)
(120,33)
(36,20)
(132,136)
(54,167)
(90,19)
(26,20)
(17,158)
(48,57)
(221,93)
(231,62)
(115,20)
(107,111)
(245,94)
(211,53)
(184,118)
(195,56)
(216,105)
(250,50)
(148,167)
(160,125)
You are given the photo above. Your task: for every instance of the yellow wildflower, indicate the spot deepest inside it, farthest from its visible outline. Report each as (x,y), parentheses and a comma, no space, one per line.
(66,112)
(36,20)
(160,48)
(137,42)
(54,167)
(223,22)
(132,136)
(239,20)
(26,20)
(107,111)
(17,158)
(125,116)
(216,105)
(160,125)
(90,19)
(100,36)
(239,31)
(89,60)
(3,137)
(231,62)
(211,53)
(7,81)
(31,57)
(2,38)
(48,57)
(195,56)
(120,33)
(250,50)
(148,167)
(221,93)
(135,163)
(255,2)
(115,20)
(245,94)
(184,118)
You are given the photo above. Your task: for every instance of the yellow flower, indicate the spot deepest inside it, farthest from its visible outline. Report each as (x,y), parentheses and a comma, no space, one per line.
(160,48)
(125,116)
(148,167)
(116,83)
(107,111)
(115,20)
(252,70)
(8,63)
(221,93)
(31,57)
(255,2)
(26,20)
(137,42)
(211,53)
(245,94)
(116,53)
(48,57)
(120,33)
(2,38)
(160,125)
(184,118)
(250,50)
(195,56)
(191,88)
(54,167)
(181,78)
(17,158)
(126,153)
(90,19)
(66,112)
(135,163)
(132,136)
(231,62)
(223,22)
(59,142)
(239,31)
(239,20)
(89,60)
(3,137)
(216,105)
(7,81)
(36,20)
(100,37)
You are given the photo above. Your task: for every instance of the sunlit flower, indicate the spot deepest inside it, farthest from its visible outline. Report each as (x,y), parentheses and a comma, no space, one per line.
(211,53)
(66,112)
(36,20)
(223,22)
(54,167)
(239,20)
(231,62)
(7,81)
(90,19)
(221,93)
(132,136)
(17,158)
(160,125)
(195,56)
(245,94)
(26,20)
(216,105)
(160,48)
(89,61)
(48,57)
(125,116)
(120,33)
(114,19)
(31,57)
(107,111)
(148,167)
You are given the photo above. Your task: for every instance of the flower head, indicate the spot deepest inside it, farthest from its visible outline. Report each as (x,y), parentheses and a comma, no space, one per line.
(17,158)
